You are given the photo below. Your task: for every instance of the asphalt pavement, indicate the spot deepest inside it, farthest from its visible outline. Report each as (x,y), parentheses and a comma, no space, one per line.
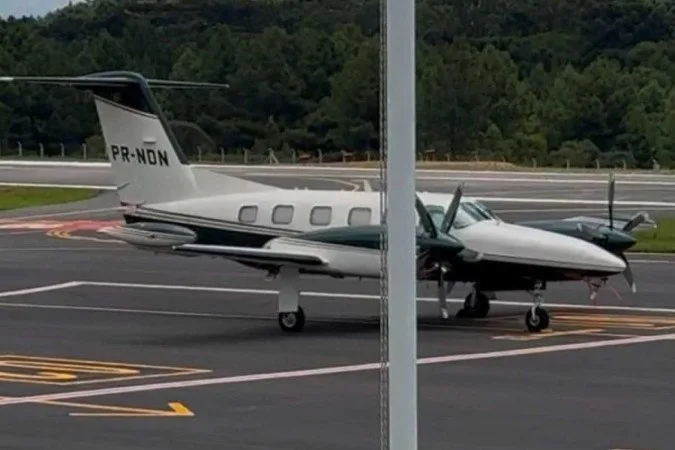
(107,347)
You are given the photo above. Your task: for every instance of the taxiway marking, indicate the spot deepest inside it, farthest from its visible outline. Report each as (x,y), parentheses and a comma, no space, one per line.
(618,321)
(66,372)
(65,186)
(249,291)
(525,336)
(63,214)
(36,290)
(177,409)
(292,374)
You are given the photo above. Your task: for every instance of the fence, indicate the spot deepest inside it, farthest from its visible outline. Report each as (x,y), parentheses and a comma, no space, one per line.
(82,152)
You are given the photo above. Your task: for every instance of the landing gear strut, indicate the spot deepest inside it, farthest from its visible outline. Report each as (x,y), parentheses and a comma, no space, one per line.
(476,305)
(444,288)
(537,318)
(291,315)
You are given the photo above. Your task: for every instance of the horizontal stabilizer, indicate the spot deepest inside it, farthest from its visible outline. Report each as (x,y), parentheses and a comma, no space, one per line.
(253,255)
(111,80)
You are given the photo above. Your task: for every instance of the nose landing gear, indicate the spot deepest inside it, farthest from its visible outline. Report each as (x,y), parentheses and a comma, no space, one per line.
(537,318)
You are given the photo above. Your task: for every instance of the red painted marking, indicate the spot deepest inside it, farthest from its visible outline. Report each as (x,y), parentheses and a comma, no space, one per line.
(56,225)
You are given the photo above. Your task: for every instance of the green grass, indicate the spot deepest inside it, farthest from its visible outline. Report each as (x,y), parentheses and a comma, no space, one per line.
(660,240)
(12,197)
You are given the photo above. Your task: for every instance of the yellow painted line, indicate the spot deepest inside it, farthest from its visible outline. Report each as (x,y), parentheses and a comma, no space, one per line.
(526,336)
(618,318)
(177,410)
(60,371)
(587,323)
(60,234)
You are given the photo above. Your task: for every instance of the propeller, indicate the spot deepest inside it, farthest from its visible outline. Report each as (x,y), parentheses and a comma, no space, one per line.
(637,220)
(610,200)
(425,218)
(634,222)
(448,219)
(451,213)
(430,227)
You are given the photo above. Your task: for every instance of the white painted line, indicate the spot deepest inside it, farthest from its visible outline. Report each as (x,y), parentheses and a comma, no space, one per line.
(37,290)
(650,261)
(64,186)
(68,249)
(531,180)
(246,291)
(329,168)
(44,163)
(149,312)
(564,201)
(477,177)
(328,370)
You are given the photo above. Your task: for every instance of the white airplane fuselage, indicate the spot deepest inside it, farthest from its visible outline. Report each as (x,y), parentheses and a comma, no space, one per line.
(271,218)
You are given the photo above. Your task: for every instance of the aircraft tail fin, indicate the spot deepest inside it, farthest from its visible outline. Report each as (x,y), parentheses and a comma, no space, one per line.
(147,161)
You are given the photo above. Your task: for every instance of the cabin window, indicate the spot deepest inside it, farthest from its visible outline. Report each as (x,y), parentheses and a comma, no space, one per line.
(282,214)
(359,216)
(248,214)
(320,215)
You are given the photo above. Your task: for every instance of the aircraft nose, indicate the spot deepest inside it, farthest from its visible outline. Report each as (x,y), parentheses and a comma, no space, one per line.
(602,258)
(621,241)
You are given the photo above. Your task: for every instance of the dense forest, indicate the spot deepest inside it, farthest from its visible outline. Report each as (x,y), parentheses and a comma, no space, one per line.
(584,81)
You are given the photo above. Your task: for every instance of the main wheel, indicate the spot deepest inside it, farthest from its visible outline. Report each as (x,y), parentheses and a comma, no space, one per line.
(537,321)
(292,321)
(478,311)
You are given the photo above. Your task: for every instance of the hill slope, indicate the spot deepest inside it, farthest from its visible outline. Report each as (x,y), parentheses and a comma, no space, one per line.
(519,79)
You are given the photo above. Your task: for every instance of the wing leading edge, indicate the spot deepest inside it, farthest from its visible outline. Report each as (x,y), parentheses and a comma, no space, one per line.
(254,255)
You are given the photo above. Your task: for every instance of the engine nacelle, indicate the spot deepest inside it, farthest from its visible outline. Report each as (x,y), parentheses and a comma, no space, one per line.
(151,235)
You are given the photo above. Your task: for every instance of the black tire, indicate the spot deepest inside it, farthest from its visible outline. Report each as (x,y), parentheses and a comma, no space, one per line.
(479,311)
(292,321)
(538,321)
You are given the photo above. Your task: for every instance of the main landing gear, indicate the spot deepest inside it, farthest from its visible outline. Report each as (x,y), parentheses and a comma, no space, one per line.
(537,318)
(291,314)
(476,304)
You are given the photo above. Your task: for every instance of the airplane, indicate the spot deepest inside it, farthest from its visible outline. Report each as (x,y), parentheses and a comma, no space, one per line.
(175,208)
(601,232)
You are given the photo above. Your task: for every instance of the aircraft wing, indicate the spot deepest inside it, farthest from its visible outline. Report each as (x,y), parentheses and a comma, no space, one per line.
(638,221)
(256,256)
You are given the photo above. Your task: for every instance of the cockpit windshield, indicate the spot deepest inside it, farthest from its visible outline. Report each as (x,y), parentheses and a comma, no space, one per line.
(468,213)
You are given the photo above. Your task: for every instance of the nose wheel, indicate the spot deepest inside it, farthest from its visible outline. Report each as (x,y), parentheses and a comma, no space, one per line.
(536,319)
(292,321)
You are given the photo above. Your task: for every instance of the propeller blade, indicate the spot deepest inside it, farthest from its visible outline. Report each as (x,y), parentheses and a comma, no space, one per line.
(425,218)
(451,213)
(628,274)
(637,220)
(610,200)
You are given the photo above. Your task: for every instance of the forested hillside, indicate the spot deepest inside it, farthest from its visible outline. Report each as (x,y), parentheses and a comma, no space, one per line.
(575,80)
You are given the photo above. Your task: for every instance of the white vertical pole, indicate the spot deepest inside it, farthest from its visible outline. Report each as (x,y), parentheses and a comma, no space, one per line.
(401,219)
